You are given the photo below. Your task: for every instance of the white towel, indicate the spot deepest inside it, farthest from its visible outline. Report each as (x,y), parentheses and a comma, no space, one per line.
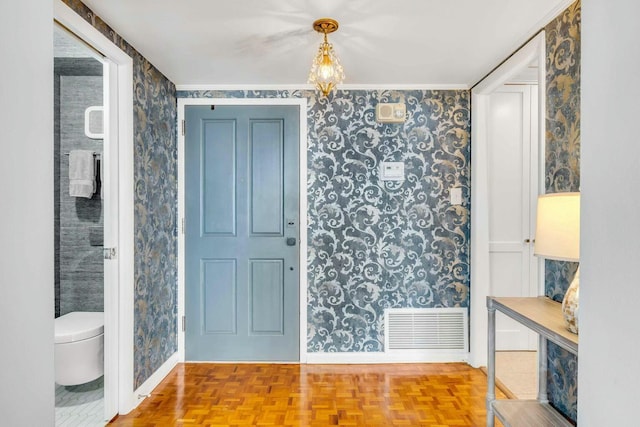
(82,174)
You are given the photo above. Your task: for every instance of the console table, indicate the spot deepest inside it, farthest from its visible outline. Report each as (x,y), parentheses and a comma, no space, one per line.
(543,316)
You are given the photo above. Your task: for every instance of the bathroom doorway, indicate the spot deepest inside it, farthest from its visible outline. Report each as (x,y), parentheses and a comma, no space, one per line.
(105,129)
(79,229)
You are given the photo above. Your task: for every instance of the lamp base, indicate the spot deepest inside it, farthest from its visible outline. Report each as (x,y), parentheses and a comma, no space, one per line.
(570,304)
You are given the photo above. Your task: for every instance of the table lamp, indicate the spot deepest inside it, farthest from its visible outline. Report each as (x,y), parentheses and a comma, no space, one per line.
(558,238)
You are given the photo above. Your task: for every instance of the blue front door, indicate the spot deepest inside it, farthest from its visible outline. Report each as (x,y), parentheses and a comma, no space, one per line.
(241,233)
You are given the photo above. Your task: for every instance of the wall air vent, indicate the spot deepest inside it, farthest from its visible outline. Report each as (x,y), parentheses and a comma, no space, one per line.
(391,113)
(426,329)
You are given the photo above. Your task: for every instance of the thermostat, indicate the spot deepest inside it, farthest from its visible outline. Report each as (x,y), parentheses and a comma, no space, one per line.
(392,171)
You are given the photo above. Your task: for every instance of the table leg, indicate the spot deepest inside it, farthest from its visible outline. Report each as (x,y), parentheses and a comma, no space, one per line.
(491,364)
(542,370)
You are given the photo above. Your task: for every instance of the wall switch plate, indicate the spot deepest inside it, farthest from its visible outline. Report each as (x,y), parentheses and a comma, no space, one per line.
(391,171)
(456,196)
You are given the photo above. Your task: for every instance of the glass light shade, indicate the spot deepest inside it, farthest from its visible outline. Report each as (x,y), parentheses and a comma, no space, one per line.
(558,227)
(326,72)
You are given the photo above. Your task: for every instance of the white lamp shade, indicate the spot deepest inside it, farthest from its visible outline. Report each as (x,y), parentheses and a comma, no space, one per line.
(558,227)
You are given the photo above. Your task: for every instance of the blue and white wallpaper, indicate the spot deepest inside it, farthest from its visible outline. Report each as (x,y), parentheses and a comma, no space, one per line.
(374,244)
(155,216)
(562,165)
(371,244)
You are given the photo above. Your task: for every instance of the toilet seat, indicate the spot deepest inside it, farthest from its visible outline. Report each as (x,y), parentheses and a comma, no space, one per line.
(78,326)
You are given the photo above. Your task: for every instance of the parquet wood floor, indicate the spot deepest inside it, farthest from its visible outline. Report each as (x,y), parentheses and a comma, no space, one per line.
(203,394)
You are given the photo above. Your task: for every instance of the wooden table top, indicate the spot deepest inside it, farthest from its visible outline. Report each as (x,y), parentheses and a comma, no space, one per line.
(541,314)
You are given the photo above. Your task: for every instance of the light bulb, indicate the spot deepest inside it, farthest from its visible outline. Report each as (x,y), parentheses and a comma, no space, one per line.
(326,68)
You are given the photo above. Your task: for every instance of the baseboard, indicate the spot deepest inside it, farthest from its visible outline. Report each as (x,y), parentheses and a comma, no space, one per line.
(146,389)
(503,388)
(387,357)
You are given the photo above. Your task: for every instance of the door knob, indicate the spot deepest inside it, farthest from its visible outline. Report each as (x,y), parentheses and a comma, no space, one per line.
(291,241)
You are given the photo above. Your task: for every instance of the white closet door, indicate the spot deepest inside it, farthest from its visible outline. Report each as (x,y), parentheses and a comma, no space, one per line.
(512,180)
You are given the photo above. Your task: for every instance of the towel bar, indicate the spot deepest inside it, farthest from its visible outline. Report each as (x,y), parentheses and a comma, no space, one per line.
(94,154)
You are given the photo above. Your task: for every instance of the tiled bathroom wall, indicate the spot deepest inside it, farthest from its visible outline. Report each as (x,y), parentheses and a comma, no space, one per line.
(78,227)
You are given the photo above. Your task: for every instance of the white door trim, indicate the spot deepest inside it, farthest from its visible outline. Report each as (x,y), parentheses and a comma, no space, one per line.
(119,295)
(302,103)
(480,274)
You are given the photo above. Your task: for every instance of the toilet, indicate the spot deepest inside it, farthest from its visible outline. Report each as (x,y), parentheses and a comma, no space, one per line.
(79,347)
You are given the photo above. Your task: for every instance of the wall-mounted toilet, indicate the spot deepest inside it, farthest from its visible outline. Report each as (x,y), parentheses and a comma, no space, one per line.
(79,347)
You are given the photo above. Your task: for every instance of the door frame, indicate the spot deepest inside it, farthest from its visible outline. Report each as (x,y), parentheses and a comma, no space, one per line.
(302,209)
(480,270)
(119,272)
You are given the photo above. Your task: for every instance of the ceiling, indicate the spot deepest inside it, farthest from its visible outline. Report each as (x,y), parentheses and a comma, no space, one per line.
(381,43)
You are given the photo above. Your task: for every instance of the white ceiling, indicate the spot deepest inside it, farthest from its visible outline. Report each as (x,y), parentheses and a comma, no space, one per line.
(381,43)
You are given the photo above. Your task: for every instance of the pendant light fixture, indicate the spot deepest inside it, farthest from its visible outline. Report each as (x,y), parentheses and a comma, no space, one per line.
(326,72)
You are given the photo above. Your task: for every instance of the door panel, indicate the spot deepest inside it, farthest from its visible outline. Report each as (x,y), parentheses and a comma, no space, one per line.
(267,175)
(506,280)
(508,167)
(267,305)
(219,177)
(512,168)
(242,290)
(218,281)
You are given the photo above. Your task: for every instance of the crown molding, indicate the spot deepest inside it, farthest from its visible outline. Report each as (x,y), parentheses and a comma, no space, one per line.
(371,87)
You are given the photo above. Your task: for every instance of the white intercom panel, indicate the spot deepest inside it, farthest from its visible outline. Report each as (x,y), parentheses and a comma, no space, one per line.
(392,171)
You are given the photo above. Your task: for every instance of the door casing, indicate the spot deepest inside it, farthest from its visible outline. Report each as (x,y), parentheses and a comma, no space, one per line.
(118,298)
(302,210)
(480,274)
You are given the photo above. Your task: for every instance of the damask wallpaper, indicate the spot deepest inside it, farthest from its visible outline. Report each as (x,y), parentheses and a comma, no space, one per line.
(562,165)
(155,175)
(563,102)
(371,244)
